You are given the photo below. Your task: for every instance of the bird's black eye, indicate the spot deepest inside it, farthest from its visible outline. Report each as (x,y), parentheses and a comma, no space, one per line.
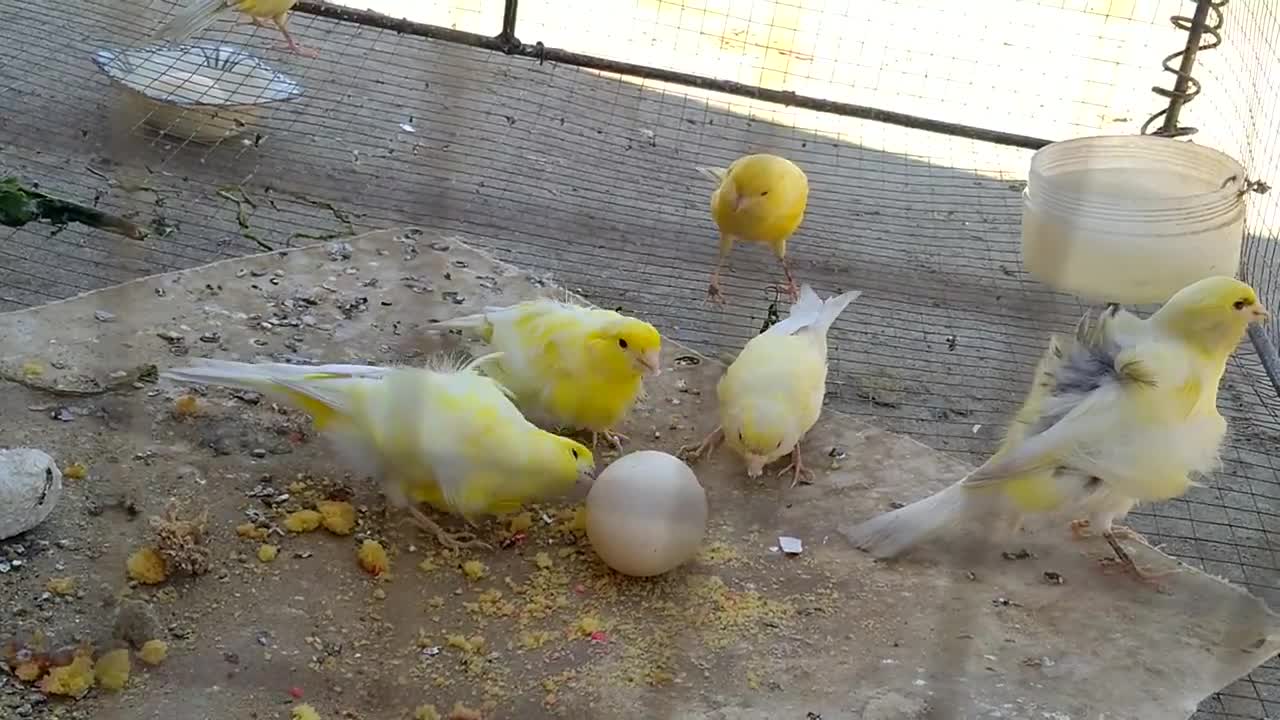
(622,343)
(1239,304)
(763,193)
(775,447)
(740,436)
(575,453)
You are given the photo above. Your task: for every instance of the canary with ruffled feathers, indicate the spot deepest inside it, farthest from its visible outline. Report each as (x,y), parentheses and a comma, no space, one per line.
(1122,413)
(444,435)
(568,365)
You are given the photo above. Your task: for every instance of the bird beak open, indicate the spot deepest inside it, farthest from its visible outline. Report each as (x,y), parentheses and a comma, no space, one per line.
(1260,314)
(650,363)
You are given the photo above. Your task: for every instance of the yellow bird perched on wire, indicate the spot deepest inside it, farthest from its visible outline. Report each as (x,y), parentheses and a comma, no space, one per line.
(1124,412)
(772,393)
(566,364)
(758,199)
(442,435)
(199,14)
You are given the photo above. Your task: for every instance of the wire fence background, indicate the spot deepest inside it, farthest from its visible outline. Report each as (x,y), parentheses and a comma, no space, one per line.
(590,177)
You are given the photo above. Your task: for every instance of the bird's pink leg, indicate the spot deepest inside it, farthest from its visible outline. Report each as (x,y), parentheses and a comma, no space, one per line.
(792,290)
(713,289)
(280,21)
(694,453)
(800,473)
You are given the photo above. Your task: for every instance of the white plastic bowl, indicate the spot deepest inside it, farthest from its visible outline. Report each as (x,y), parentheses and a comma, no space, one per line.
(202,93)
(1131,219)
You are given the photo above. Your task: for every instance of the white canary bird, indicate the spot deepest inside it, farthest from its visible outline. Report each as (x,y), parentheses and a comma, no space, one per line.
(568,365)
(1125,412)
(772,393)
(443,435)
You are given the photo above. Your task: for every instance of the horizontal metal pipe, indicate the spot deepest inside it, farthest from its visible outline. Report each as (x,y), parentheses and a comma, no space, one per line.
(542,53)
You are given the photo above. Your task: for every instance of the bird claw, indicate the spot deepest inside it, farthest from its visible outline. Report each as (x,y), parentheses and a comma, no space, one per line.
(1125,563)
(693,453)
(613,438)
(453,541)
(1080,529)
(800,473)
(714,294)
(303,51)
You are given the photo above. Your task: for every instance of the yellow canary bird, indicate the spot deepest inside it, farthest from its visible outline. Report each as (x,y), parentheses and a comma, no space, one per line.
(444,435)
(568,365)
(759,199)
(1124,412)
(199,14)
(772,393)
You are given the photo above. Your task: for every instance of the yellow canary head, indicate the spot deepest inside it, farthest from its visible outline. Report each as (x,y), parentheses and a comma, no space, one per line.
(1212,314)
(761,433)
(759,183)
(629,347)
(569,461)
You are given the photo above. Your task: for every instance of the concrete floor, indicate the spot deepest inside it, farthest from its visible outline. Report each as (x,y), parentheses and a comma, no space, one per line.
(591,179)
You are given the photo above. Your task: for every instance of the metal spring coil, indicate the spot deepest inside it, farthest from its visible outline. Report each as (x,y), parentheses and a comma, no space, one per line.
(1212,30)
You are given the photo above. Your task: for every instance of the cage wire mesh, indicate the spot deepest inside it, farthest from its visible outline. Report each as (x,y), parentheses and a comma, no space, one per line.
(589,176)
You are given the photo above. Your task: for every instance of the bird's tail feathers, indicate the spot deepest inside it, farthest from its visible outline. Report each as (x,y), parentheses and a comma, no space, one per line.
(481,361)
(190,19)
(253,376)
(478,323)
(714,174)
(893,533)
(811,311)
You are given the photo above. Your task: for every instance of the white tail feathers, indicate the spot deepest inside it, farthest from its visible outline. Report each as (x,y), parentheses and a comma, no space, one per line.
(191,19)
(811,311)
(893,533)
(714,174)
(253,376)
(478,323)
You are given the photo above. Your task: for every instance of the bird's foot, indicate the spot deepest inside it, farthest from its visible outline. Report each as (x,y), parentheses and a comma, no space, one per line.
(1124,563)
(694,453)
(800,473)
(613,438)
(452,541)
(714,294)
(793,292)
(1081,530)
(305,52)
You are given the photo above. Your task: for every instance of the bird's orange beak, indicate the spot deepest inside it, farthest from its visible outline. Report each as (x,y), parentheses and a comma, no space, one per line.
(651,362)
(1260,313)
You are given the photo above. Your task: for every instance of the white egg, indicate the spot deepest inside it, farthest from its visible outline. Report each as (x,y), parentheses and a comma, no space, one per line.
(30,485)
(646,513)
